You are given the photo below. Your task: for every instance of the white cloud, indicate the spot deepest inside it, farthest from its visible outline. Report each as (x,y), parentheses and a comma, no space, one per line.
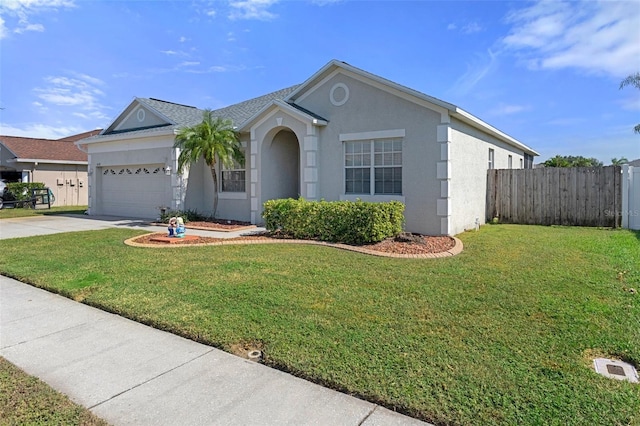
(599,37)
(29,27)
(211,13)
(506,109)
(174,53)
(325,2)
(183,39)
(479,68)
(19,12)
(188,64)
(78,92)
(471,28)
(38,130)
(252,9)
(452,26)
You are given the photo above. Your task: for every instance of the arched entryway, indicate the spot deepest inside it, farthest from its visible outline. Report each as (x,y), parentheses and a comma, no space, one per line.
(280,162)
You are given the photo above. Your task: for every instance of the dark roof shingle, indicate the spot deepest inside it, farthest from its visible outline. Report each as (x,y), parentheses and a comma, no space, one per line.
(44,149)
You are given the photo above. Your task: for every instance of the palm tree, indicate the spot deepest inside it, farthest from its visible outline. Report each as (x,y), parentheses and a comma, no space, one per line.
(213,139)
(619,161)
(633,80)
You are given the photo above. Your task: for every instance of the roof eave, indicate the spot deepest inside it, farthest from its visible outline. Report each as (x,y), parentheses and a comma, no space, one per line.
(46,161)
(163,131)
(246,125)
(468,118)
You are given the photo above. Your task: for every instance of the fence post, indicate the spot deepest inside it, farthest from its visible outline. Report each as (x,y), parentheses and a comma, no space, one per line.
(625,196)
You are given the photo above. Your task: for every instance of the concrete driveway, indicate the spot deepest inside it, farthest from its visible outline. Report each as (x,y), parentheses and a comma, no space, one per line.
(54,224)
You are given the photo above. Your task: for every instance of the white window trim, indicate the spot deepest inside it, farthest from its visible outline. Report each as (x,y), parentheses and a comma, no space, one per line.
(371,196)
(382,198)
(232,195)
(491,164)
(381,134)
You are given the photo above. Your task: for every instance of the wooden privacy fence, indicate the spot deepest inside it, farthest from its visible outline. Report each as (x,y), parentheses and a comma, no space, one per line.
(578,196)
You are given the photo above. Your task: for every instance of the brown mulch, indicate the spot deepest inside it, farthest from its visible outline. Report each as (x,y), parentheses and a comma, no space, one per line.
(417,244)
(229,225)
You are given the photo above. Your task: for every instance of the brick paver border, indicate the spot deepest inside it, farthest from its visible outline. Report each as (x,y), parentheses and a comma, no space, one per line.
(456,249)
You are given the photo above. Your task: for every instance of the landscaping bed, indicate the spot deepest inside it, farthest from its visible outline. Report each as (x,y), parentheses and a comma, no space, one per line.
(417,244)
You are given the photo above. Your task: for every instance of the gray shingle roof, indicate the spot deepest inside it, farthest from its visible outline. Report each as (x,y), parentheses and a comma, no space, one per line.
(241,112)
(182,115)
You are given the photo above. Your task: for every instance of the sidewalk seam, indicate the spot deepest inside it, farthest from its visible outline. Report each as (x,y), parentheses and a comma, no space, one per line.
(151,379)
(375,407)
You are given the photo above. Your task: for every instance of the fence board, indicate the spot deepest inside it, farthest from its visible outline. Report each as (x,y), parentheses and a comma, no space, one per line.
(578,196)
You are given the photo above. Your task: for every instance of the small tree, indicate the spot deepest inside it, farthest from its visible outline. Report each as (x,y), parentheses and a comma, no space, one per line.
(213,139)
(632,80)
(572,161)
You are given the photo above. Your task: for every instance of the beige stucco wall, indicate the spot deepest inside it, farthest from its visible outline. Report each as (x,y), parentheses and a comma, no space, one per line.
(369,109)
(469,164)
(68,182)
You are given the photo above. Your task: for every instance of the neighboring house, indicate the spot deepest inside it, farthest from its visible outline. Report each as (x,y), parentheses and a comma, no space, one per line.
(59,164)
(634,163)
(344,134)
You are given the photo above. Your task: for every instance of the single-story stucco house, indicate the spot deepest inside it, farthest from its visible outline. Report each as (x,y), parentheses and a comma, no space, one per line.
(58,163)
(343,134)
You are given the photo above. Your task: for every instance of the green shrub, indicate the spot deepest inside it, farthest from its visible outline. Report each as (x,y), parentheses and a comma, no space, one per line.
(347,222)
(187,215)
(21,191)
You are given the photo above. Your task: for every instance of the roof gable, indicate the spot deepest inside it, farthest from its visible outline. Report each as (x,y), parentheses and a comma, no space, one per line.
(241,112)
(446,109)
(142,114)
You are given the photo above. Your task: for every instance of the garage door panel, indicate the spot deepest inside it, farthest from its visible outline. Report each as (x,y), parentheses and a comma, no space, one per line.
(134,191)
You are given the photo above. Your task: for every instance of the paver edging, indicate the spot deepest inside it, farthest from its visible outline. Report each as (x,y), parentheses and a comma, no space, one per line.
(456,249)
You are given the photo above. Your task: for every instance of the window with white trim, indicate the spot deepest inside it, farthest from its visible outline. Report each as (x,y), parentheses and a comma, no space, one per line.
(510,162)
(373,167)
(491,158)
(234,177)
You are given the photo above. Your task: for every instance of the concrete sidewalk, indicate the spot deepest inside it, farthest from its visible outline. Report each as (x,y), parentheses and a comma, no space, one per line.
(131,374)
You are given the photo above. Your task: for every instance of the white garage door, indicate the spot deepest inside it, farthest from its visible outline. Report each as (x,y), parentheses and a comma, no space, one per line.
(133,191)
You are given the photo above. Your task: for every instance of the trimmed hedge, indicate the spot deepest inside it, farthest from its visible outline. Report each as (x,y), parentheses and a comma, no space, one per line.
(347,222)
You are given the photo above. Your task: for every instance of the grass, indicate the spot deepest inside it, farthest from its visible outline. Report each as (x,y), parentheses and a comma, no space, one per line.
(25,400)
(10,213)
(502,334)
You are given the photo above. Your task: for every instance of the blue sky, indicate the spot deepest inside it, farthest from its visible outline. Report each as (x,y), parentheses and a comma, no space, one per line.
(544,72)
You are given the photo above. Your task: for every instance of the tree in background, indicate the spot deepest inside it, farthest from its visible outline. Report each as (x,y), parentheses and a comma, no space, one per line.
(572,161)
(213,139)
(632,80)
(619,161)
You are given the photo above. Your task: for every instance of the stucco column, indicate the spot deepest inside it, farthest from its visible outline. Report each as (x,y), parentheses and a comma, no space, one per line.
(443,168)
(310,175)
(253,178)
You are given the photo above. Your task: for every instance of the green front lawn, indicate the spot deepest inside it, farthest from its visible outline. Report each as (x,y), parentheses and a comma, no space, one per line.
(25,400)
(9,213)
(502,334)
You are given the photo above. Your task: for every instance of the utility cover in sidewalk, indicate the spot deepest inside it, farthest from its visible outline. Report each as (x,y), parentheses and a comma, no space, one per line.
(615,369)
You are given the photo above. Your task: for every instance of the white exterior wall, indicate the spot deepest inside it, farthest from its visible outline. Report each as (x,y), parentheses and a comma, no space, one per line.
(131,152)
(262,133)
(469,153)
(199,192)
(370,109)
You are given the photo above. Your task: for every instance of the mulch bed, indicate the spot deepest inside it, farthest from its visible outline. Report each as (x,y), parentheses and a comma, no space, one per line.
(414,244)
